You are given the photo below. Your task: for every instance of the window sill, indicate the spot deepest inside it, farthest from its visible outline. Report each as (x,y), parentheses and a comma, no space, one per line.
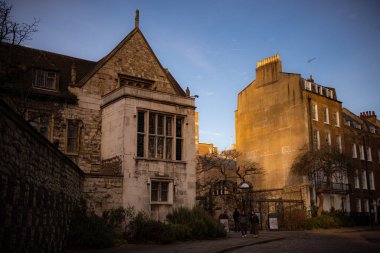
(71,154)
(161,203)
(159,160)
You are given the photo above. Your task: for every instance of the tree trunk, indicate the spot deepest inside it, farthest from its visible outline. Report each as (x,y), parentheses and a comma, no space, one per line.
(320,205)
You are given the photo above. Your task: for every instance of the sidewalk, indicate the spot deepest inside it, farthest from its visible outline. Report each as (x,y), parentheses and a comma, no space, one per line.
(233,241)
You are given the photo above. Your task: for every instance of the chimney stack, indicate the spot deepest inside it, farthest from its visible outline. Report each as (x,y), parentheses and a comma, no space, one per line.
(137,18)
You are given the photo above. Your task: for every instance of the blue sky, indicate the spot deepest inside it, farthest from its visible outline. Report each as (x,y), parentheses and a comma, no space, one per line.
(212,46)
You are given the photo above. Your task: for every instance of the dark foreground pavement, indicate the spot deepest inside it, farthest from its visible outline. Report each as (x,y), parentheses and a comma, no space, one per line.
(358,239)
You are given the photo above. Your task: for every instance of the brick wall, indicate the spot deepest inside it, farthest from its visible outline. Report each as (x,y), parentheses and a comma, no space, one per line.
(38,188)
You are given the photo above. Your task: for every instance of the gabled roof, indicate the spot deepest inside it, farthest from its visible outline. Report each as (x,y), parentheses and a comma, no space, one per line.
(106,58)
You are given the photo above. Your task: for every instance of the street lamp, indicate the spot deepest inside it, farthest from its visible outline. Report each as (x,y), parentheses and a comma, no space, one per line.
(245,186)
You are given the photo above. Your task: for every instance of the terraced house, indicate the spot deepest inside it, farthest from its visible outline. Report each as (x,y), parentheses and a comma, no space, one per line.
(124,120)
(280,113)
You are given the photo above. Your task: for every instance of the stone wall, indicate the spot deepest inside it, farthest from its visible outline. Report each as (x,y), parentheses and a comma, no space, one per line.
(38,189)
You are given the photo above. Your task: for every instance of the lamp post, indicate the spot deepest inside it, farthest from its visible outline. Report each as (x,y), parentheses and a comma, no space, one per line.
(246,187)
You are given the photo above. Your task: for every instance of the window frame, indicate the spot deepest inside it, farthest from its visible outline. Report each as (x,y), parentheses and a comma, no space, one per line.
(159,127)
(38,123)
(354,151)
(45,78)
(160,189)
(76,123)
(316,139)
(326,118)
(314,111)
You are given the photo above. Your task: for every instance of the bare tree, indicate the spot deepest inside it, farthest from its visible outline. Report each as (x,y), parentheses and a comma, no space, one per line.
(323,167)
(226,167)
(13,32)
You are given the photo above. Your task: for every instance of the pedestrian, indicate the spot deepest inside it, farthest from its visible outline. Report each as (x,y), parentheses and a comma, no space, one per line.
(254,220)
(236,216)
(243,224)
(223,218)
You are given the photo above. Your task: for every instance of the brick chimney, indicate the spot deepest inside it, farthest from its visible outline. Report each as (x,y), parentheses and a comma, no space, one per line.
(268,70)
(369,115)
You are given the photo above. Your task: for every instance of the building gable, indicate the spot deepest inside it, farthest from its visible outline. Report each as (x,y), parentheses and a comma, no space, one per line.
(132,63)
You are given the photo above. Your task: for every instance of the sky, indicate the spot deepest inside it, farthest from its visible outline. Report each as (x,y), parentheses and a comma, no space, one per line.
(212,46)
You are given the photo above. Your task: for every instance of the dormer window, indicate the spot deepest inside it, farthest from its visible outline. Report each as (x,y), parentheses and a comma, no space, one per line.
(46,79)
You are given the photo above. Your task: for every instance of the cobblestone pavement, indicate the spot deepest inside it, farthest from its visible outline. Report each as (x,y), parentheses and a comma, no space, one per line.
(349,240)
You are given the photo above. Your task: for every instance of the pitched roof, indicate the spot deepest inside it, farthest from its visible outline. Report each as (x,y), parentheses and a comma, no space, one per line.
(106,58)
(24,59)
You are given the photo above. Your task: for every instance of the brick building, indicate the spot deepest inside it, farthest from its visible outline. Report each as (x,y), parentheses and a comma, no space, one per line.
(124,120)
(280,113)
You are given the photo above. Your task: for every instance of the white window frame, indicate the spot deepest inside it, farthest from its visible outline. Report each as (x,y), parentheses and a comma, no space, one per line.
(354,151)
(326,118)
(369,154)
(364,180)
(339,143)
(371,181)
(361,152)
(356,178)
(316,139)
(314,111)
(307,85)
(160,182)
(328,139)
(336,119)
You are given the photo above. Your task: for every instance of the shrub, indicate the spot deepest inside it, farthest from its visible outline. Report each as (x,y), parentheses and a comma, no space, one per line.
(89,231)
(144,229)
(328,220)
(200,224)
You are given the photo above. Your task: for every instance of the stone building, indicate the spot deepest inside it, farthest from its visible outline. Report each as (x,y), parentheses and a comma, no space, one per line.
(362,144)
(124,120)
(278,115)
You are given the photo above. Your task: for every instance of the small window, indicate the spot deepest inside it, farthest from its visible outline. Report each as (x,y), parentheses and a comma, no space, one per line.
(361,152)
(314,111)
(46,79)
(372,129)
(371,181)
(358,205)
(328,139)
(336,119)
(364,180)
(326,118)
(161,191)
(369,154)
(307,85)
(357,186)
(316,140)
(354,152)
(41,122)
(72,141)
(339,143)
(365,205)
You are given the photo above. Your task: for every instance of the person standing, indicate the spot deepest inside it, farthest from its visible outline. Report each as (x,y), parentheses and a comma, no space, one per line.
(236,216)
(243,224)
(254,220)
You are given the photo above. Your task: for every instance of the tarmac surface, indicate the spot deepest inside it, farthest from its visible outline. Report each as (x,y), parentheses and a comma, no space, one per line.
(357,239)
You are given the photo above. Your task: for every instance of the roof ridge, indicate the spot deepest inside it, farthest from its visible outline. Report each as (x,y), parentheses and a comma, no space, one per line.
(45,51)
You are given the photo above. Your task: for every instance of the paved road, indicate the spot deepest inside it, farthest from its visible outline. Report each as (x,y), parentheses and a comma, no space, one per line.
(347,240)
(326,241)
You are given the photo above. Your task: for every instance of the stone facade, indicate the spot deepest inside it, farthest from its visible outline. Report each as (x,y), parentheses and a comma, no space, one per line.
(90,111)
(39,188)
(279,114)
